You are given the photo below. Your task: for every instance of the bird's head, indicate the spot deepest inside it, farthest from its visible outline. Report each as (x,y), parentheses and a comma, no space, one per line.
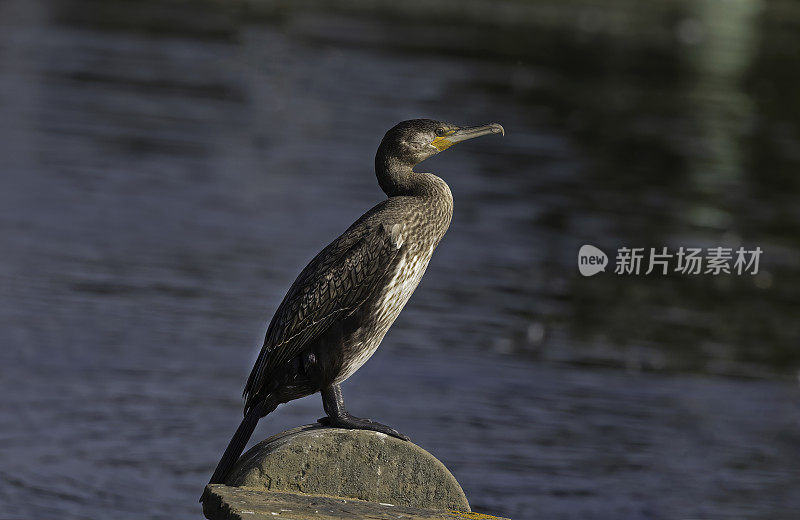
(413,141)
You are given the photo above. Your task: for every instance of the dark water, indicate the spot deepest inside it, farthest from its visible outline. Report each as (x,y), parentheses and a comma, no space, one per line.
(167,169)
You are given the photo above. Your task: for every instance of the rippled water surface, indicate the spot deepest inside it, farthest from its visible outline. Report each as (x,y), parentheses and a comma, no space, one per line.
(168,168)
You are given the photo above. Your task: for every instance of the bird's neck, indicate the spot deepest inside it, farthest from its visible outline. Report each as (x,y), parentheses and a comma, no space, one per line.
(431,193)
(397,178)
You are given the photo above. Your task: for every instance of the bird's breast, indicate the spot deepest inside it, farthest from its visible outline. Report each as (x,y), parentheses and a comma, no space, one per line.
(407,276)
(385,306)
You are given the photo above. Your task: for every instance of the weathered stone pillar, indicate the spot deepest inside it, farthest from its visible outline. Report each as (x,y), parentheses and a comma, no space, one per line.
(359,464)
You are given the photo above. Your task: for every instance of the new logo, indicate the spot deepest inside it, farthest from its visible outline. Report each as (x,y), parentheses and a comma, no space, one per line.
(591,260)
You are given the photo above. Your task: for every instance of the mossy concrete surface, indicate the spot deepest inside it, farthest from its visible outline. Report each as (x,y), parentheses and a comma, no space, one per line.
(359,464)
(221,502)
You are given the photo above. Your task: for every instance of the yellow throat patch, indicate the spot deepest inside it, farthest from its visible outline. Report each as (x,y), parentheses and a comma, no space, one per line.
(442,143)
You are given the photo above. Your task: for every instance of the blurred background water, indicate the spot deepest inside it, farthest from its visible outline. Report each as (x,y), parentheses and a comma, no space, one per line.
(168,167)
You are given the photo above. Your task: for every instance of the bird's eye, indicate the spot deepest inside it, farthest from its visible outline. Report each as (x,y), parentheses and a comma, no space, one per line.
(440,132)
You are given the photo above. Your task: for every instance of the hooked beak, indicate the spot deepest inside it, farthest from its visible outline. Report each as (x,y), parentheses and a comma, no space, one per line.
(462,134)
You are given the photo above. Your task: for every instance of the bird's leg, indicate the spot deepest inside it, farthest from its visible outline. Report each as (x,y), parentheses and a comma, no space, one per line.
(339,417)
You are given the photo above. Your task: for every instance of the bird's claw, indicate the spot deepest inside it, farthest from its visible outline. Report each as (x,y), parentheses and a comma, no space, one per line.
(357,423)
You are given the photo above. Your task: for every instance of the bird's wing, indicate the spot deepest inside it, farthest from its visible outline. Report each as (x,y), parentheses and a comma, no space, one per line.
(339,279)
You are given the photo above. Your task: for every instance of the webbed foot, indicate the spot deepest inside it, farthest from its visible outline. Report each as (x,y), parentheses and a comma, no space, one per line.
(357,423)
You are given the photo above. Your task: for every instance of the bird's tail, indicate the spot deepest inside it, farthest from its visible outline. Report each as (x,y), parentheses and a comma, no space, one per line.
(239,440)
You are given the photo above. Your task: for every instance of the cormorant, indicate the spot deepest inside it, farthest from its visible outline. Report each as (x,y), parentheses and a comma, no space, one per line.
(337,311)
